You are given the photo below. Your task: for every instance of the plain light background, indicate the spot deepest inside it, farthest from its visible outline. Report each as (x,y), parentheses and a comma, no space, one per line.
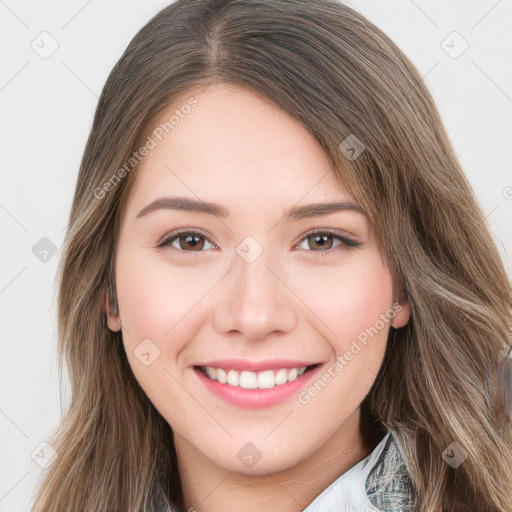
(47,106)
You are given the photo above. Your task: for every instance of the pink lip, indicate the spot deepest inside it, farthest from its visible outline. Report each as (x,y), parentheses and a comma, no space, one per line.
(256,398)
(255,366)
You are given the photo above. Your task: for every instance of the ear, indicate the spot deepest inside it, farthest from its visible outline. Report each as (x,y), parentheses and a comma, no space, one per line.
(401,308)
(111,309)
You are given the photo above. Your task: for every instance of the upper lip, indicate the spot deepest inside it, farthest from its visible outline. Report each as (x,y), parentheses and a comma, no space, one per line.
(268,364)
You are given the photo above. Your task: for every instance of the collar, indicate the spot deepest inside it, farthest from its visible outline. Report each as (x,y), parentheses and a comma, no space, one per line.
(379,482)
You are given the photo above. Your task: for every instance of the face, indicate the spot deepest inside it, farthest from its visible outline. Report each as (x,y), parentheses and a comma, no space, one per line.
(291,305)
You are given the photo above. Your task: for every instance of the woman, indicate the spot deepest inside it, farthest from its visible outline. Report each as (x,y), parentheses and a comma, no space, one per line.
(332,342)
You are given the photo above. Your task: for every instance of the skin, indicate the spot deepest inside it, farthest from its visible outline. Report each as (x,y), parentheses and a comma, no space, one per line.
(298,299)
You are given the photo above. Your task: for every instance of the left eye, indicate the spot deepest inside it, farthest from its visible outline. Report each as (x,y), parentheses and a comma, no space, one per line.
(323,240)
(191,241)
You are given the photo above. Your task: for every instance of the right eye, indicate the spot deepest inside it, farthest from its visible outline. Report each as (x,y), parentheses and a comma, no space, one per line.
(187,241)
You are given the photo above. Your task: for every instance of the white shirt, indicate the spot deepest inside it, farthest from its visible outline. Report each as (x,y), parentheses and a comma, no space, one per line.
(378,483)
(348,493)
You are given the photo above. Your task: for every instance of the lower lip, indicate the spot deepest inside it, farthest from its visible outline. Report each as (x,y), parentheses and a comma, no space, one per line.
(256,398)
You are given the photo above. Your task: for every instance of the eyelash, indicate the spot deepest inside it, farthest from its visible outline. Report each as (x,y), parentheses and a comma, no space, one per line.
(348,243)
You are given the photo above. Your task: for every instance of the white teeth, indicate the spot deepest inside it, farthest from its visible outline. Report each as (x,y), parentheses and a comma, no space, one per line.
(248,380)
(292,374)
(281,377)
(221,375)
(254,380)
(266,379)
(232,379)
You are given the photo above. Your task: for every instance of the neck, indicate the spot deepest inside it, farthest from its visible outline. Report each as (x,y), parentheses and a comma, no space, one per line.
(208,486)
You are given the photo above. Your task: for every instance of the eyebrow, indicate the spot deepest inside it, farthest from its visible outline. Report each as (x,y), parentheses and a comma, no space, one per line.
(294,213)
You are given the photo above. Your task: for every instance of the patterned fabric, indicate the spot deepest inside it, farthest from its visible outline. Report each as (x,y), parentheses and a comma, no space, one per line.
(388,485)
(378,483)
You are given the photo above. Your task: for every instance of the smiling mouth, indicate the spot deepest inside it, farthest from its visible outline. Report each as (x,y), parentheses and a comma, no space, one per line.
(245,379)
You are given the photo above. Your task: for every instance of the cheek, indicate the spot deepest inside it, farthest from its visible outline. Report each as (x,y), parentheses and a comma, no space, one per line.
(159,302)
(163,304)
(348,297)
(351,300)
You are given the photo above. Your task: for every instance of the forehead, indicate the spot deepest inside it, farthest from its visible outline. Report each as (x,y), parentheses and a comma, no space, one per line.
(235,147)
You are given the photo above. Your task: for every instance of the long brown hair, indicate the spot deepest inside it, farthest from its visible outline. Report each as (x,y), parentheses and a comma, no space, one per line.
(339,76)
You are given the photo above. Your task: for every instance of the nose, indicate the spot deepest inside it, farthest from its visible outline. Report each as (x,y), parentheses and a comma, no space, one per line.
(256,300)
